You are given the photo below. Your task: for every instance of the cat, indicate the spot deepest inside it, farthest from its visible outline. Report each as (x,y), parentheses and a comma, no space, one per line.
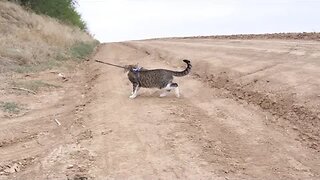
(155,78)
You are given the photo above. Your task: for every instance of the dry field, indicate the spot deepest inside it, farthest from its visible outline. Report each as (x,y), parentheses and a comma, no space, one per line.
(249,110)
(40,63)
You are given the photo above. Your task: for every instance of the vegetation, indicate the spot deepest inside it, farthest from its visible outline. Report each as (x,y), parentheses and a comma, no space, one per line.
(28,68)
(77,52)
(34,85)
(63,10)
(30,42)
(83,49)
(10,107)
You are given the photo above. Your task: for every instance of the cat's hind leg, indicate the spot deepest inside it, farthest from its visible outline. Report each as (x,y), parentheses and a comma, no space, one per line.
(134,91)
(164,93)
(169,87)
(176,89)
(165,90)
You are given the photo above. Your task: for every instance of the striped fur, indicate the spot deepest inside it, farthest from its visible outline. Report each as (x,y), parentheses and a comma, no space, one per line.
(155,78)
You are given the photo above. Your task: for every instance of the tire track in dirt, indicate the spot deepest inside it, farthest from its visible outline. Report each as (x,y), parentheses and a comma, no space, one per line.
(305,122)
(203,135)
(234,136)
(36,147)
(282,105)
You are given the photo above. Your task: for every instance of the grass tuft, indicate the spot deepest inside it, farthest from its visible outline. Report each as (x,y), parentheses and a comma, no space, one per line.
(10,107)
(82,50)
(32,43)
(34,85)
(38,67)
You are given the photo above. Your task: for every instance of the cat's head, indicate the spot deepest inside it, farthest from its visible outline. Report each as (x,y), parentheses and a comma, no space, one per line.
(132,67)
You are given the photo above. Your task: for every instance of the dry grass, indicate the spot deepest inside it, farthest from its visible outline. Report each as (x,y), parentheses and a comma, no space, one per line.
(29,39)
(34,85)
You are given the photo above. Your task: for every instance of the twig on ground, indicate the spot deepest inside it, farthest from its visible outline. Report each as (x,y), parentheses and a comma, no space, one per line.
(39,142)
(56,120)
(24,89)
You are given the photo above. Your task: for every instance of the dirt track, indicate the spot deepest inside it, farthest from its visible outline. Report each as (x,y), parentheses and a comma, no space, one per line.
(249,110)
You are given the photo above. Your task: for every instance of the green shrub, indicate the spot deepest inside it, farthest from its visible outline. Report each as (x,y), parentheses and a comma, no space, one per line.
(63,10)
(82,49)
(10,107)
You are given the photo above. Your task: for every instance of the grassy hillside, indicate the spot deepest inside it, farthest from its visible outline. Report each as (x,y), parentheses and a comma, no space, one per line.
(64,10)
(31,42)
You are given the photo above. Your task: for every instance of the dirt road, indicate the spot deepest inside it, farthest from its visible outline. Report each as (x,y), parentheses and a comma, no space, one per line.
(249,110)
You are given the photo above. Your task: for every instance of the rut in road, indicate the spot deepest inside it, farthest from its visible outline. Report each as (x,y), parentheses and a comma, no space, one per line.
(202,135)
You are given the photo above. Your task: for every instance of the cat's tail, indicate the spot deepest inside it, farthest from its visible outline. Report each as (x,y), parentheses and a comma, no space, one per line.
(184,72)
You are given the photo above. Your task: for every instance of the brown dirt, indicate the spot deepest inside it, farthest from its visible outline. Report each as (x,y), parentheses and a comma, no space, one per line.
(286,36)
(249,110)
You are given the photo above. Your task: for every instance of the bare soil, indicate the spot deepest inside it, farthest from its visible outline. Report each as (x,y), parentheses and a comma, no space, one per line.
(249,110)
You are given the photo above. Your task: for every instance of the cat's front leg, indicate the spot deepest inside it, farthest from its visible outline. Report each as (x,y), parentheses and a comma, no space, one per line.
(134,91)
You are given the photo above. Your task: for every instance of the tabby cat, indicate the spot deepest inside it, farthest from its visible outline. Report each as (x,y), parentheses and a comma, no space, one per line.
(155,78)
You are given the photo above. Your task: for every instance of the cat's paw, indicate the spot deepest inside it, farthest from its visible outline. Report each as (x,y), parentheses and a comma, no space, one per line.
(132,96)
(177,92)
(163,94)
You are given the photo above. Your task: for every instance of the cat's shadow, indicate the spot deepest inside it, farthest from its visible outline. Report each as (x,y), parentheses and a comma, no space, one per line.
(156,94)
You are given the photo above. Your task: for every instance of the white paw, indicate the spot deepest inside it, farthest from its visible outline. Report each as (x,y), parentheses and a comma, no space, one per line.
(177,92)
(163,94)
(132,96)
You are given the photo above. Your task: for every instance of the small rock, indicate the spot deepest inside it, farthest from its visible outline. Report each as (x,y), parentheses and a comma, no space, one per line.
(61,75)
(106,132)
(78,177)
(12,169)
